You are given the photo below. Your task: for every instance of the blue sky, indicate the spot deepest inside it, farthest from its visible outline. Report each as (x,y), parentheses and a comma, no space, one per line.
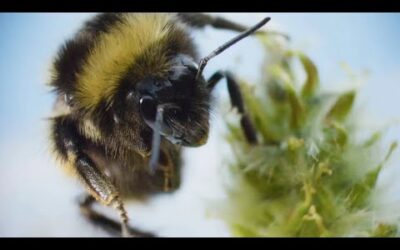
(29,41)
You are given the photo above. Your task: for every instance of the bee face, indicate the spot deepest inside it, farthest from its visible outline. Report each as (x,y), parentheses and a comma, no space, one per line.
(183,98)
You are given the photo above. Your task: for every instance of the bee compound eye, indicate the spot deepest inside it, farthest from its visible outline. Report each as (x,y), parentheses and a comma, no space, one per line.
(148,109)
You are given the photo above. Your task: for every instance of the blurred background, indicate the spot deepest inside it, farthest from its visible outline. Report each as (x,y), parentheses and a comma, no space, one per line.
(37,199)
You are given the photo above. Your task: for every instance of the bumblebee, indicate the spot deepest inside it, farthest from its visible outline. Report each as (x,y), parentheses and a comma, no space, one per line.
(130,94)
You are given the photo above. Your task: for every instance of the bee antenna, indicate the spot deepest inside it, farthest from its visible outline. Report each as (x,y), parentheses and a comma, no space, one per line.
(204,61)
(155,147)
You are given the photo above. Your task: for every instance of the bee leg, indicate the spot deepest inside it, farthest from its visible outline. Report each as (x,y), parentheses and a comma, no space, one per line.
(237,102)
(103,190)
(111,226)
(71,148)
(200,20)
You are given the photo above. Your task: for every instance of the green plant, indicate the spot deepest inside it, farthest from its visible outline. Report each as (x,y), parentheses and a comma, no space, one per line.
(310,175)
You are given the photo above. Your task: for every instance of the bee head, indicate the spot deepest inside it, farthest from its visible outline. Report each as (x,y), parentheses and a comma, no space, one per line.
(183,99)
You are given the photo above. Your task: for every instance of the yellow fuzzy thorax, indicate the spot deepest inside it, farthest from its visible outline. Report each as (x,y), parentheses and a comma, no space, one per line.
(116,50)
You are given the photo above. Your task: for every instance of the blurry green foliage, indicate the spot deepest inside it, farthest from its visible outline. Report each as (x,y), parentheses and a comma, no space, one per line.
(308,176)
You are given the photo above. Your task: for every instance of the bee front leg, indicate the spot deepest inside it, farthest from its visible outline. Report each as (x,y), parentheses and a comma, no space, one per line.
(71,147)
(201,20)
(86,203)
(86,206)
(236,101)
